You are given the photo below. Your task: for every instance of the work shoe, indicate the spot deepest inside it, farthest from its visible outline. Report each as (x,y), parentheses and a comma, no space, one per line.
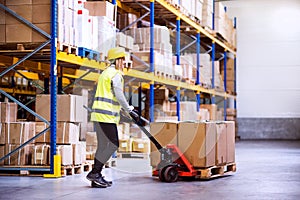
(109,183)
(97,180)
(95,185)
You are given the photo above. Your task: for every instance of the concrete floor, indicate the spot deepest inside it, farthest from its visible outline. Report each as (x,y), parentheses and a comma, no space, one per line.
(265,170)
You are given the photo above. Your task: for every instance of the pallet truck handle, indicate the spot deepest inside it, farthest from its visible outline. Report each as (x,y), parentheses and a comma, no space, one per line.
(148,134)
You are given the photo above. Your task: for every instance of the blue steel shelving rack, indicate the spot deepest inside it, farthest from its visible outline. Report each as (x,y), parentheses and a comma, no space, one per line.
(53,74)
(92,64)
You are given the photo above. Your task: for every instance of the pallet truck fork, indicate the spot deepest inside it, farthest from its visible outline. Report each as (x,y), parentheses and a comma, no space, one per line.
(173,164)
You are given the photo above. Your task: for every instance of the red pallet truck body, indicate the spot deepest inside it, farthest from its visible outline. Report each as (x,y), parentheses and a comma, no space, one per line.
(173,164)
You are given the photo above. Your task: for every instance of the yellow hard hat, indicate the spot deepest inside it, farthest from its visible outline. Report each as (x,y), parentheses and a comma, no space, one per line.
(117,52)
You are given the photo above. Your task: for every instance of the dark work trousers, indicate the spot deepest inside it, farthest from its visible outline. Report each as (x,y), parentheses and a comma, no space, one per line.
(108,143)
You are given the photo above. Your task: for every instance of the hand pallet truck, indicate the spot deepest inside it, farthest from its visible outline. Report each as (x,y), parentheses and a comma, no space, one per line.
(173,164)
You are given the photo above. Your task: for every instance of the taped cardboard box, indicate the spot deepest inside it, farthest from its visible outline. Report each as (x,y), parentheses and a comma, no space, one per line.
(197,141)
(18,132)
(67,133)
(125,145)
(140,145)
(66,153)
(69,107)
(165,133)
(45,137)
(8,112)
(212,108)
(221,147)
(40,154)
(100,8)
(2,153)
(2,133)
(21,157)
(230,141)
(79,153)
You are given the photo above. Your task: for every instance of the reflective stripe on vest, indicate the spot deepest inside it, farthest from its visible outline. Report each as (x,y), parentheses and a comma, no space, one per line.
(106,108)
(106,112)
(107,100)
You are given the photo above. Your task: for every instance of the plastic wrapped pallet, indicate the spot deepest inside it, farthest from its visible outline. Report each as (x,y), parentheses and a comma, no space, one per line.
(84,27)
(106,35)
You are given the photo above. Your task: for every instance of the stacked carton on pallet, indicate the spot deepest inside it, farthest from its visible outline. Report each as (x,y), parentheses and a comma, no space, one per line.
(69,116)
(204,144)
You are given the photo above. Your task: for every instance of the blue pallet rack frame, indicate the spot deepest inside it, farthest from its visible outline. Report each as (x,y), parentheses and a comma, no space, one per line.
(51,127)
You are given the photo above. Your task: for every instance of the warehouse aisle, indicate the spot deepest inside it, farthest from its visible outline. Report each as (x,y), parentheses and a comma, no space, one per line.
(266,170)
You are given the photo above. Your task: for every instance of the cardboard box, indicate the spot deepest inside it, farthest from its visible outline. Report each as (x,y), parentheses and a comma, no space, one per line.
(197,141)
(230,140)
(2,153)
(2,34)
(41,14)
(37,37)
(21,157)
(66,153)
(140,145)
(221,147)
(145,57)
(2,133)
(41,2)
(67,133)
(165,133)
(125,145)
(45,137)
(69,108)
(212,108)
(79,153)
(17,2)
(17,132)
(24,11)
(125,19)
(12,33)
(160,94)
(8,112)
(100,8)
(91,138)
(40,154)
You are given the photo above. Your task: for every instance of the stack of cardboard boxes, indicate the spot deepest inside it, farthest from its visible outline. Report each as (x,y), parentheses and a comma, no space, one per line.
(13,133)
(230,74)
(204,144)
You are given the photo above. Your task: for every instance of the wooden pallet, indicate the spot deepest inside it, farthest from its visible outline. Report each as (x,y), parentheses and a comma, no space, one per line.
(67,48)
(190,81)
(215,171)
(76,169)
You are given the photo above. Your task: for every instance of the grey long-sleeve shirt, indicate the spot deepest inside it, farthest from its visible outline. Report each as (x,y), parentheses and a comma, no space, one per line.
(117,90)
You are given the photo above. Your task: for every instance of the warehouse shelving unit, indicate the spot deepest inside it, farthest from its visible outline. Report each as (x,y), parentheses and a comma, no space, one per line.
(89,69)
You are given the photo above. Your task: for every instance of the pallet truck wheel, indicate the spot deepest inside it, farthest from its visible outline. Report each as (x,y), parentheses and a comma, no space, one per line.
(170,174)
(161,174)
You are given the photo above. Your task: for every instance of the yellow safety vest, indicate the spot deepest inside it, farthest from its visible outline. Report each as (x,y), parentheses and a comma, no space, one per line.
(106,108)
